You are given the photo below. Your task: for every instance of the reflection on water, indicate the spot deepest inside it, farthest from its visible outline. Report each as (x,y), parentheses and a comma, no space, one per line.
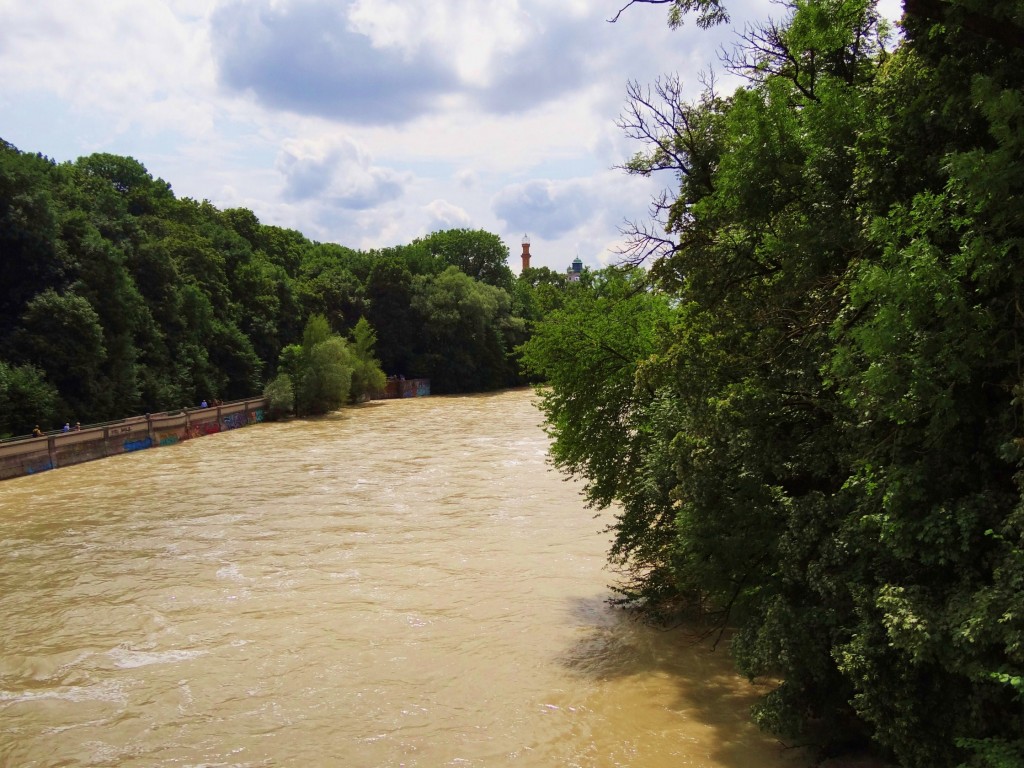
(405,583)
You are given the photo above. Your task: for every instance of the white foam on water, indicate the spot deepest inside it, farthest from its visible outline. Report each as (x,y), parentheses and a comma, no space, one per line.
(108,690)
(126,659)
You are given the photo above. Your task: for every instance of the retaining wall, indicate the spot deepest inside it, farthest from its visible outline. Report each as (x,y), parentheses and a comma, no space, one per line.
(26,456)
(397,388)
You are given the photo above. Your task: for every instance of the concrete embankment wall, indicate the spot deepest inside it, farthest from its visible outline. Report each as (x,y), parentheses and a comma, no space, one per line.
(25,456)
(399,388)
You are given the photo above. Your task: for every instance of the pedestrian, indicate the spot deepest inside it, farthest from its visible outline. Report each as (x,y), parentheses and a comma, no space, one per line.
(78,426)
(37,432)
(203,404)
(66,427)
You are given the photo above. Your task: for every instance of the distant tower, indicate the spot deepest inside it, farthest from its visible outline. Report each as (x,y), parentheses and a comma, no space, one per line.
(526,252)
(573,272)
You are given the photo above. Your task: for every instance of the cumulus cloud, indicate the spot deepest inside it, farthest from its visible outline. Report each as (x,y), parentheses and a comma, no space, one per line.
(338,173)
(137,62)
(583,216)
(467,178)
(549,208)
(304,57)
(388,62)
(444,215)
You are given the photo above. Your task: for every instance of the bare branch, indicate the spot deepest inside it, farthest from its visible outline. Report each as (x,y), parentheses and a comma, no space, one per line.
(710,12)
(622,10)
(643,243)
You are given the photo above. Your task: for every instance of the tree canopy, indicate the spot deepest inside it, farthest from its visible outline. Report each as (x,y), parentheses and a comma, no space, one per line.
(118,298)
(813,436)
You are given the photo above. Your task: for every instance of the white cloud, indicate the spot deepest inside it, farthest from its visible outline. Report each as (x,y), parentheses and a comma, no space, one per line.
(336,172)
(445,215)
(133,61)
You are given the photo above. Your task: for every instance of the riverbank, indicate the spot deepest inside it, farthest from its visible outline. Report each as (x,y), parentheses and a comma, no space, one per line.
(29,455)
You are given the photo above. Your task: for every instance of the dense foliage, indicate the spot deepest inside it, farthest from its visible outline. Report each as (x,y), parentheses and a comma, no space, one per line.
(808,411)
(118,298)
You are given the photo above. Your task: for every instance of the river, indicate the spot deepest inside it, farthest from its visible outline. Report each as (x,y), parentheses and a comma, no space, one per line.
(402,583)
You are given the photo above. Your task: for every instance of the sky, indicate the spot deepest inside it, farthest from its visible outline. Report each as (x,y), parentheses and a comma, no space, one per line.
(367,123)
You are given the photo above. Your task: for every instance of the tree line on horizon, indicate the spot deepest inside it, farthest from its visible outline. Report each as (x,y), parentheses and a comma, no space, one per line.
(118,298)
(806,411)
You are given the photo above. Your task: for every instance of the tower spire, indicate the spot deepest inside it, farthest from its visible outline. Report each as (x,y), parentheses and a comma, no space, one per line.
(526,252)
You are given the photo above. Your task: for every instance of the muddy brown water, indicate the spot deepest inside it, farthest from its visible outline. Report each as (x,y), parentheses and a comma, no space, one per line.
(403,583)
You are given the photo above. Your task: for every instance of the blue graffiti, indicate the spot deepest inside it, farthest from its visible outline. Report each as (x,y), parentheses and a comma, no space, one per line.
(137,445)
(234,420)
(31,462)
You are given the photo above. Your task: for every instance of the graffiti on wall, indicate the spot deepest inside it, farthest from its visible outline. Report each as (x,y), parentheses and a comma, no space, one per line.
(138,445)
(106,440)
(206,428)
(234,420)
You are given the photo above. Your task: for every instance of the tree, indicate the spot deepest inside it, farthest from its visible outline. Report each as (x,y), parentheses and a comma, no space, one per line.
(464,336)
(171,301)
(32,257)
(26,399)
(609,427)
(391,313)
(478,254)
(710,12)
(537,292)
(129,179)
(328,287)
(830,458)
(320,369)
(367,376)
(926,357)
(280,394)
(62,335)
(328,376)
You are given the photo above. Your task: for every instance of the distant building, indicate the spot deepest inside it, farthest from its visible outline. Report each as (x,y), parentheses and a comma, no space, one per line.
(572,273)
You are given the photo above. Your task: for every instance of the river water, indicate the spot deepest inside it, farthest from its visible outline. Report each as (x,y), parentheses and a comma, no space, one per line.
(403,583)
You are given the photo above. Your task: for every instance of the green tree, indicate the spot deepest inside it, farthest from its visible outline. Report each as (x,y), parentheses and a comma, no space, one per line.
(926,357)
(280,394)
(328,376)
(833,460)
(367,376)
(26,399)
(464,335)
(129,179)
(62,336)
(33,259)
(537,292)
(609,427)
(391,313)
(479,254)
(320,369)
(328,286)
